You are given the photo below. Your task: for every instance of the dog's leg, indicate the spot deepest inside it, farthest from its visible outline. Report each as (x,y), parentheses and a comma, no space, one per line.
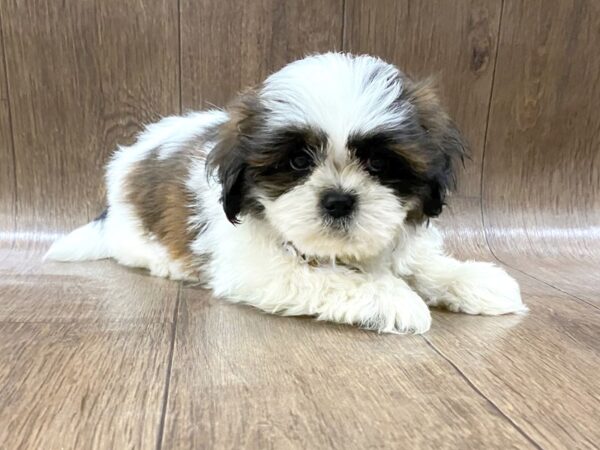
(385,304)
(470,287)
(380,302)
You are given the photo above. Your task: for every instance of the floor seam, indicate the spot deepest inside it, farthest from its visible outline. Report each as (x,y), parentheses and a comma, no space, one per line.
(489,111)
(472,385)
(573,296)
(165,396)
(343,43)
(481,180)
(10,125)
(533,277)
(180,55)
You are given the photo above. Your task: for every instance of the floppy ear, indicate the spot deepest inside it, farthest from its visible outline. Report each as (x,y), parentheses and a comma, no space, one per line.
(229,156)
(443,141)
(231,172)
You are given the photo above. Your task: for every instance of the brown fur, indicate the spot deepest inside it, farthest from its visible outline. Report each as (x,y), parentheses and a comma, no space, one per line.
(156,188)
(414,156)
(430,113)
(443,142)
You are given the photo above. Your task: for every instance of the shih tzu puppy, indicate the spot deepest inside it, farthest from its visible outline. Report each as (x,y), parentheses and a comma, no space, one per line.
(310,195)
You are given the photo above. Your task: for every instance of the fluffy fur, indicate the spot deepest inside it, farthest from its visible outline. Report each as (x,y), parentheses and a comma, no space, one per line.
(310,195)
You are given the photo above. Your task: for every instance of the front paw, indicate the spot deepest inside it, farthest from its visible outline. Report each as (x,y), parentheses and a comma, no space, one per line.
(483,288)
(385,306)
(402,312)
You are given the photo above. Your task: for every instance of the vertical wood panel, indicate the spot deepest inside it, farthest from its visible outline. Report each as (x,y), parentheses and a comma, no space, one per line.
(542,162)
(455,41)
(7,181)
(83,77)
(229,45)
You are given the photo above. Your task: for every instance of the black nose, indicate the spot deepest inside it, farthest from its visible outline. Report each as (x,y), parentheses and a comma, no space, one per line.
(338,204)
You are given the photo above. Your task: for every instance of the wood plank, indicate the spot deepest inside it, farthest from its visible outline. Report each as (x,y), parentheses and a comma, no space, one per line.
(84,76)
(93,385)
(7,163)
(540,370)
(33,291)
(243,379)
(227,46)
(542,165)
(455,41)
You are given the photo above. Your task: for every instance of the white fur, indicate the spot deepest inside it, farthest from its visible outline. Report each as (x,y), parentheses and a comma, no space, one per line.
(84,243)
(331,91)
(380,274)
(470,287)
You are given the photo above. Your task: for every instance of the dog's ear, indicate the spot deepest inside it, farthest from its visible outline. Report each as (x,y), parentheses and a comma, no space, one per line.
(444,143)
(229,157)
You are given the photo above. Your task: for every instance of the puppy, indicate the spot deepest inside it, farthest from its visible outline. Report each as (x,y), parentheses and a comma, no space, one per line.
(311,194)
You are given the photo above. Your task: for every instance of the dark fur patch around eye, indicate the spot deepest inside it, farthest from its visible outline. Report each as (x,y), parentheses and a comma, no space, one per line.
(420,151)
(419,157)
(270,167)
(403,165)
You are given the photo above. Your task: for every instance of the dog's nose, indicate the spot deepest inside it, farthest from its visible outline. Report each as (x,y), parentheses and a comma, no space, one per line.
(338,204)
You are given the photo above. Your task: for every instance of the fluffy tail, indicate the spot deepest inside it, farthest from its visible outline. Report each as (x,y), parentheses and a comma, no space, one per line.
(85,243)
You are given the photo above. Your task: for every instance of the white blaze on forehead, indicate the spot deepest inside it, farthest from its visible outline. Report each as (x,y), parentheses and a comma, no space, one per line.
(339,171)
(338,93)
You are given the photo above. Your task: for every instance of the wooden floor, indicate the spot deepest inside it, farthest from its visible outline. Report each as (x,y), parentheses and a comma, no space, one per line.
(94,355)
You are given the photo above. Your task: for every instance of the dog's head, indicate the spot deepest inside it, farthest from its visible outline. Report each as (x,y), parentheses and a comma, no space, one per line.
(338,153)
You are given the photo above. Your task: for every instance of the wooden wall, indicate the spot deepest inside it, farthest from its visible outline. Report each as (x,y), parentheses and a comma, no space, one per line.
(520,77)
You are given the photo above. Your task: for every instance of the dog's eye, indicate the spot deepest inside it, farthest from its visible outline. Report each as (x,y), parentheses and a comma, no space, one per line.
(300,161)
(375,164)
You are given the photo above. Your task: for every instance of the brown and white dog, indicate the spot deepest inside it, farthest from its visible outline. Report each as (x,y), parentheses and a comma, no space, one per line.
(311,194)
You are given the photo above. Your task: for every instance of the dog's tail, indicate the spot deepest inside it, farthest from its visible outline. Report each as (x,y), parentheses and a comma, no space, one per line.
(85,243)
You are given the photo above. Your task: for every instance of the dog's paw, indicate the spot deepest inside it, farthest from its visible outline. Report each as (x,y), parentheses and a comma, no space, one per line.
(385,306)
(405,313)
(483,288)
(396,309)
(170,269)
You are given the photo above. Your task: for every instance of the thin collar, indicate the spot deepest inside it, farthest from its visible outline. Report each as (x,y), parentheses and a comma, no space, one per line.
(316,261)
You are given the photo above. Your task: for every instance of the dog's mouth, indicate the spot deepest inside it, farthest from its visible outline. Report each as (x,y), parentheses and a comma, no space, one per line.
(340,227)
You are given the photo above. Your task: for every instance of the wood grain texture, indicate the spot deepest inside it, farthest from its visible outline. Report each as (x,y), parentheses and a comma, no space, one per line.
(81,385)
(243,379)
(84,353)
(454,41)
(7,163)
(33,291)
(228,46)
(542,163)
(540,369)
(84,76)
(462,228)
